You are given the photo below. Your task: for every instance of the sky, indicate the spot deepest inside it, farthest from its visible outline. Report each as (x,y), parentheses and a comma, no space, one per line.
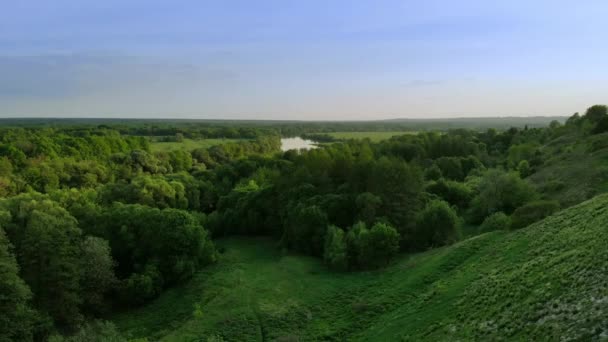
(301,60)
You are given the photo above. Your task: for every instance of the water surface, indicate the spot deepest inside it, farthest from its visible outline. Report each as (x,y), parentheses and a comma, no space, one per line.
(296,144)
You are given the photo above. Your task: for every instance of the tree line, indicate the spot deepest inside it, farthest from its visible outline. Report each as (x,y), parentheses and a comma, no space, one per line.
(92,221)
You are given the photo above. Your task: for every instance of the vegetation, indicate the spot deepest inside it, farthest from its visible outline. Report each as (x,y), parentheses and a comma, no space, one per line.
(97,223)
(465,291)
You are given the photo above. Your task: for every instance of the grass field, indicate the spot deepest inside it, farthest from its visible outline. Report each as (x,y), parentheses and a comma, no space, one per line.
(187,144)
(546,282)
(373,136)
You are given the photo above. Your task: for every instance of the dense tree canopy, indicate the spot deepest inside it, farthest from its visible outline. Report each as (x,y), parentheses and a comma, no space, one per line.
(95,219)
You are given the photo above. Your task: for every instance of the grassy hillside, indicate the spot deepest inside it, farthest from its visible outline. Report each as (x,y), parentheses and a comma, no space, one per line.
(545,282)
(576,169)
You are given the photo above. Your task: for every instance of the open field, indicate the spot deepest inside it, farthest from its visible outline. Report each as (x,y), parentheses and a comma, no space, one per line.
(554,271)
(373,136)
(187,144)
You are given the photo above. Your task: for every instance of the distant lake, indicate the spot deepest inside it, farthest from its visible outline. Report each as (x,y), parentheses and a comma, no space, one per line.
(296,144)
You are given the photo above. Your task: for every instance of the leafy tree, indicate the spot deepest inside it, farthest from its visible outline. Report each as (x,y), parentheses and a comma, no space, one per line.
(356,239)
(98,273)
(436,225)
(380,245)
(496,221)
(455,193)
(596,113)
(334,252)
(96,331)
(500,191)
(524,168)
(433,173)
(368,205)
(149,254)
(399,186)
(306,229)
(451,168)
(46,239)
(17,318)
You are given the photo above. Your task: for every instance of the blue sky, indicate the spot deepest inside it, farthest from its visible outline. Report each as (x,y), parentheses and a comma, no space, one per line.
(311,59)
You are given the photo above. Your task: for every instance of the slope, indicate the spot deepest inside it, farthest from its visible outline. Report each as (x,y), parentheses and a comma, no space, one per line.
(545,282)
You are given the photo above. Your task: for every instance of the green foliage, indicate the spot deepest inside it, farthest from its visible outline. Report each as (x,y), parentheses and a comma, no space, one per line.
(496,221)
(46,240)
(96,331)
(17,317)
(437,225)
(432,173)
(380,245)
(371,248)
(455,193)
(334,251)
(532,212)
(306,229)
(596,113)
(148,253)
(98,277)
(451,168)
(523,168)
(500,191)
(454,293)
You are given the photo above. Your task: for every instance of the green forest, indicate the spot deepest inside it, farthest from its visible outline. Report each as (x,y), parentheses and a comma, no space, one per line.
(150,230)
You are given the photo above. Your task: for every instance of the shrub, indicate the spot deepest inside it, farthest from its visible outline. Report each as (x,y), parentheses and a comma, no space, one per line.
(496,221)
(455,193)
(532,212)
(438,224)
(334,252)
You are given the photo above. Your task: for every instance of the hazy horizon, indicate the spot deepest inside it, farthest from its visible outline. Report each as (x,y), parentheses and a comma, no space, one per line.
(314,60)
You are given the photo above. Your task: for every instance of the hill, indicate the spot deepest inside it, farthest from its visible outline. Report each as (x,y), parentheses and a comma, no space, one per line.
(576,168)
(545,282)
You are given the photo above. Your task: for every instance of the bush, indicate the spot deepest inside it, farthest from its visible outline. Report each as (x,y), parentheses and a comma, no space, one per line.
(437,225)
(371,248)
(496,221)
(334,252)
(381,245)
(500,191)
(455,193)
(532,212)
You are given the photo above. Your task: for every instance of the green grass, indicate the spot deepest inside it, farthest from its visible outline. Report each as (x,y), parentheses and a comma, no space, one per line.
(546,282)
(373,136)
(187,144)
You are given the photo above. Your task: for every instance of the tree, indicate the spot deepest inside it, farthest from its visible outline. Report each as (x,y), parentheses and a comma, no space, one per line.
(596,113)
(451,168)
(500,191)
(96,331)
(432,173)
(306,229)
(98,273)
(455,193)
(16,318)
(399,186)
(368,205)
(496,221)
(334,252)
(381,244)
(524,169)
(154,248)
(436,225)
(355,245)
(47,245)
